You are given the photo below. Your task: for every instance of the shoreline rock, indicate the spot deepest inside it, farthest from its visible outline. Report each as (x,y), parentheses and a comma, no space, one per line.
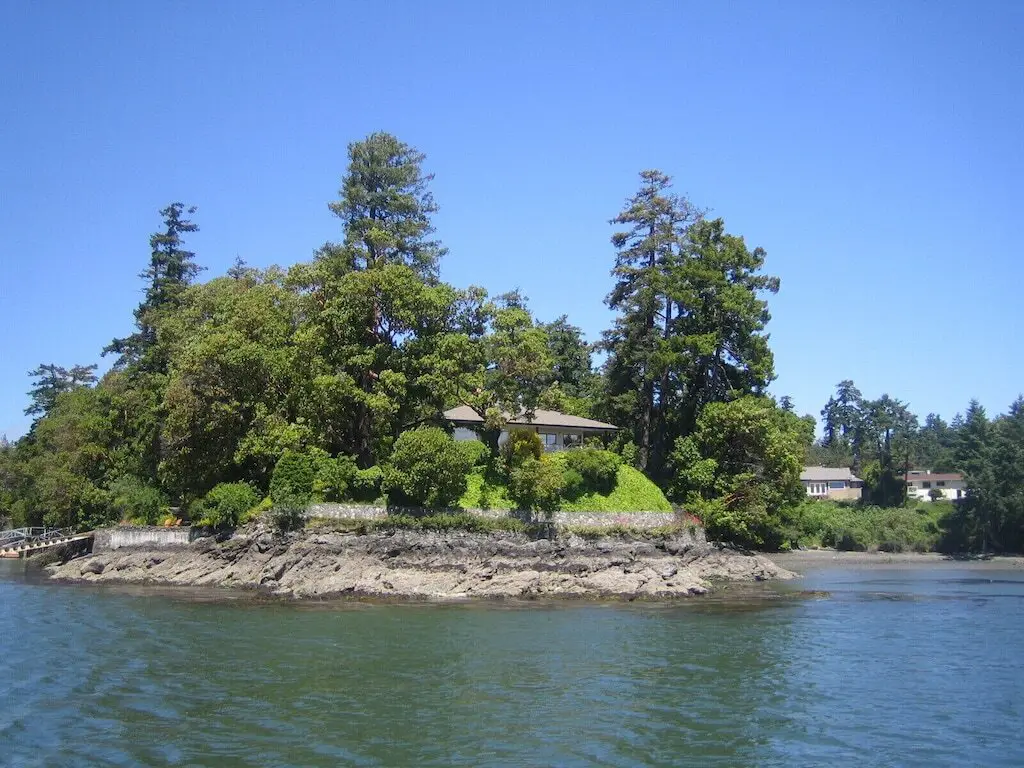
(317,564)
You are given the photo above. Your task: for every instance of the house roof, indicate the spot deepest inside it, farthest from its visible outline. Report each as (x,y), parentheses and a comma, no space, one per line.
(933,476)
(825,474)
(463,414)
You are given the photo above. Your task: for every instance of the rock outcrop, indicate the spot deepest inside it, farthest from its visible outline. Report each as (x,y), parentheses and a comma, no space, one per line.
(413,564)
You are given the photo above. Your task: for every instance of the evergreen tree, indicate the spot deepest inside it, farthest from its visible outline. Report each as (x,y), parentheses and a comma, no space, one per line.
(649,252)
(171,269)
(385,207)
(53,381)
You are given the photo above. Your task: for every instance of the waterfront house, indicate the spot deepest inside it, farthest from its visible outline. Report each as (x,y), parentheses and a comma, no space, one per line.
(837,483)
(557,431)
(921,483)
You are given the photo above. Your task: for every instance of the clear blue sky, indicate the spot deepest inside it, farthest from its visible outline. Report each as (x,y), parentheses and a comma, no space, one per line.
(874,149)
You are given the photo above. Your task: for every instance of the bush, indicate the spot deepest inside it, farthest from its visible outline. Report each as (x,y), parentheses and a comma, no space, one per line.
(599,468)
(136,502)
(426,468)
(367,484)
(522,444)
(749,525)
(536,484)
(476,453)
(333,477)
(293,477)
(225,505)
(288,515)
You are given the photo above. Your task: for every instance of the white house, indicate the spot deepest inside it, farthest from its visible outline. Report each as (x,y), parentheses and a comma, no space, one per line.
(921,482)
(831,483)
(557,431)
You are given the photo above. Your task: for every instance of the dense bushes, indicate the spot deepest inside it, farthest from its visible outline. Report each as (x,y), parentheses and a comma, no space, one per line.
(135,502)
(225,505)
(313,475)
(426,468)
(476,452)
(597,468)
(856,528)
(536,483)
(522,444)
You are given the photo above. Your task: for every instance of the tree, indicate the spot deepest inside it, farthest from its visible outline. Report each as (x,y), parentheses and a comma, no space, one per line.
(171,270)
(974,457)
(842,415)
(53,381)
(385,207)
(649,250)
(498,365)
(741,466)
(571,367)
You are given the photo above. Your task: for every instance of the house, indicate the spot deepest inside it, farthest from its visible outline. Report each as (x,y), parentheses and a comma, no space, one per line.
(921,483)
(831,483)
(557,431)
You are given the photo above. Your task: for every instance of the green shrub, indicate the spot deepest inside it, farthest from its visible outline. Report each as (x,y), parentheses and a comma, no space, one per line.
(332,478)
(476,453)
(630,454)
(367,484)
(522,444)
(293,477)
(573,484)
(749,524)
(225,505)
(137,502)
(599,468)
(426,468)
(536,484)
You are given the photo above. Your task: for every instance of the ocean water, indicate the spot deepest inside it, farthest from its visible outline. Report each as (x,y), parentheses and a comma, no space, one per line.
(902,667)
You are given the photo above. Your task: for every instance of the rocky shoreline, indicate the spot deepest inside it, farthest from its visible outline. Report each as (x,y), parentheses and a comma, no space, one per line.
(312,564)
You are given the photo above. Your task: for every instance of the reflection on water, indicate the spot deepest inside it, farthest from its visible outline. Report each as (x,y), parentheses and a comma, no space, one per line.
(842,667)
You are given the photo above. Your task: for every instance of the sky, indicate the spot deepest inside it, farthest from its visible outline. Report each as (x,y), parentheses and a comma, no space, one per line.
(875,150)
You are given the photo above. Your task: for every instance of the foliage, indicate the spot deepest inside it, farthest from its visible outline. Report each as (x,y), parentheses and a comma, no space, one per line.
(426,468)
(740,469)
(817,523)
(633,492)
(136,502)
(294,475)
(367,484)
(288,515)
(333,477)
(476,453)
(597,468)
(536,484)
(522,444)
(225,506)
(690,320)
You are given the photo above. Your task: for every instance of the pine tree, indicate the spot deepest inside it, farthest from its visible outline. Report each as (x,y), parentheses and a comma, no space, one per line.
(648,253)
(171,269)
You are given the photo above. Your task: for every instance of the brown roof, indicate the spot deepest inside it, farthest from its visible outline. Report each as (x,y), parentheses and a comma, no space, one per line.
(541,418)
(944,476)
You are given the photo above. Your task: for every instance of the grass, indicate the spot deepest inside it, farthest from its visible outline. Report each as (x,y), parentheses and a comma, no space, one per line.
(633,493)
(917,528)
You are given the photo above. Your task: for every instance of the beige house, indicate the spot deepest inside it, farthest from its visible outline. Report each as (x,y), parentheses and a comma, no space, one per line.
(557,431)
(837,483)
(921,483)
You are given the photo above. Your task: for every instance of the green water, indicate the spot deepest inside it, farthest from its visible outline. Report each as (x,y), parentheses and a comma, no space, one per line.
(904,667)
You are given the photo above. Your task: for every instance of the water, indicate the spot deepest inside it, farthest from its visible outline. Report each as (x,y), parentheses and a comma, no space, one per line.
(902,667)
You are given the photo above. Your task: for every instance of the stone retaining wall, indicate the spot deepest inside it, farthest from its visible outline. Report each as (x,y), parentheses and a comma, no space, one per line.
(643,520)
(141,536)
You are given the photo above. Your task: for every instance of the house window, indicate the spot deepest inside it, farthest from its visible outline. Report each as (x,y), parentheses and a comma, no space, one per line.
(550,441)
(926,484)
(837,484)
(572,441)
(940,483)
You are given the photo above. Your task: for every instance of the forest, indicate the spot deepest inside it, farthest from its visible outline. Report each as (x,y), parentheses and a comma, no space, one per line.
(327,380)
